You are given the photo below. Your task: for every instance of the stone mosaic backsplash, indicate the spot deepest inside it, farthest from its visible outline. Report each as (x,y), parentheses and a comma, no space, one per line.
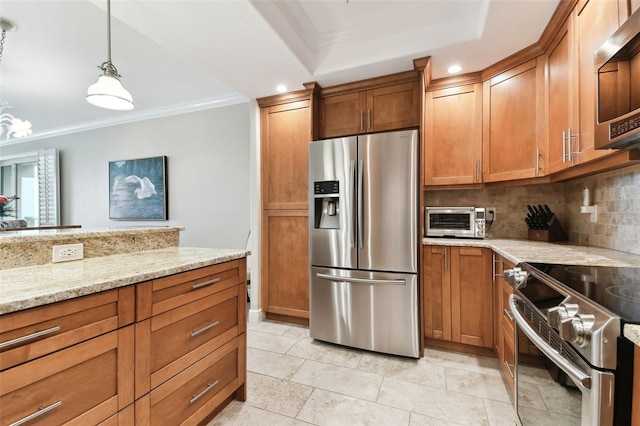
(617,195)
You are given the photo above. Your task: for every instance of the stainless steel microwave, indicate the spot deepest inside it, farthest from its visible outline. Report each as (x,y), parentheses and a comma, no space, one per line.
(618,93)
(465,222)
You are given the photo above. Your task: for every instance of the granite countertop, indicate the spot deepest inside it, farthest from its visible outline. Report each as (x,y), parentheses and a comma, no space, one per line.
(40,235)
(518,251)
(22,288)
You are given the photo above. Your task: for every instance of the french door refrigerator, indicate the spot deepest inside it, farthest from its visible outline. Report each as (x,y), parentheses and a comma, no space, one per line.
(363,242)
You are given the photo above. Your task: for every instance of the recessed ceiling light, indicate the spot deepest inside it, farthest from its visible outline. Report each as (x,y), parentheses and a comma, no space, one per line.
(281,88)
(454,69)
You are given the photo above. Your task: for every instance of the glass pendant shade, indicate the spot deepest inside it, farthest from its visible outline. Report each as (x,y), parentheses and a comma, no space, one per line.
(109,93)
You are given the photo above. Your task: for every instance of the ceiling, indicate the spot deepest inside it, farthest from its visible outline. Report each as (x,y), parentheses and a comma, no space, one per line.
(183,55)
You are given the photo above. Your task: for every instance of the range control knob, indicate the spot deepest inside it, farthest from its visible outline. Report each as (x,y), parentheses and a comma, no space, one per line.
(514,276)
(577,329)
(561,312)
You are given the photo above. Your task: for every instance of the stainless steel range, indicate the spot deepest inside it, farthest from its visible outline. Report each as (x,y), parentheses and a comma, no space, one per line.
(574,315)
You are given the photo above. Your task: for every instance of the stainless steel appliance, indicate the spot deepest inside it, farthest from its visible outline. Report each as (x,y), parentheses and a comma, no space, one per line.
(618,96)
(466,222)
(574,315)
(363,242)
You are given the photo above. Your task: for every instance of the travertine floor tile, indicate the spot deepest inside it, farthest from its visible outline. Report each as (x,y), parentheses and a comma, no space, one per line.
(421,371)
(272,364)
(328,353)
(242,414)
(476,384)
(342,380)
(276,395)
(329,408)
(270,342)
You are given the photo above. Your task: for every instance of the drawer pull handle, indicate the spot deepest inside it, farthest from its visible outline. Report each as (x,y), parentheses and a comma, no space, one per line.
(38,413)
(508,314)
(511,373)
(29,337)
(206,283)
(205,390)
(205,328)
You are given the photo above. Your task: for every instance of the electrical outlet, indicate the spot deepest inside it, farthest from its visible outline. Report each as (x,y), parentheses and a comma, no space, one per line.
(66,252)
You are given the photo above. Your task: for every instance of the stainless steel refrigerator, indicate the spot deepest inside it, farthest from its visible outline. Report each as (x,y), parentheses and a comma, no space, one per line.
(363,242)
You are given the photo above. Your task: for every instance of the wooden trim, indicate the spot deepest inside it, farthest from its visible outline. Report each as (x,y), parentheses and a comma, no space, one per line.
(617,160)
(510,62)
(459,347)
(287,319)
(562,13)
(285,98)
(126,305)
(370,83)
(126,366)
(458,80)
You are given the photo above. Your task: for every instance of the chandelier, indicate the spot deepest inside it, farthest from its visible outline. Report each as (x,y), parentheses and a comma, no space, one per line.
(10,125)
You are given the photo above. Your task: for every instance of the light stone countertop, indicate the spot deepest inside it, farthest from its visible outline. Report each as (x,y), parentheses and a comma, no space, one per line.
(536,251)
(39,235)
(23,288)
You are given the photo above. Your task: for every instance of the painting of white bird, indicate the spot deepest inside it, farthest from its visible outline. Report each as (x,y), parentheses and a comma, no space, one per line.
(137,189)
(147,188)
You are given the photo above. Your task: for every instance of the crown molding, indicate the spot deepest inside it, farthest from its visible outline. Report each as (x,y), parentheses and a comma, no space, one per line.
(133,117)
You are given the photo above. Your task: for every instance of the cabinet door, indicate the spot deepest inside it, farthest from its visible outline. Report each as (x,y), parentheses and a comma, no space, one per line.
(562,99)
(513,125)
(437,292)
(343,115)
(285,263)
(471,296)
(595,20)
(393,107)
(453,135)
(286,133)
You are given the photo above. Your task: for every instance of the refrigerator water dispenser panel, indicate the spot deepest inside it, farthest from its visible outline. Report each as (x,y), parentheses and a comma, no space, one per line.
(327,204)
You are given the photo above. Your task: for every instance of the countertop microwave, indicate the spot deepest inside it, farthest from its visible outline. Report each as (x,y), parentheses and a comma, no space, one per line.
(618,93)
(465,222)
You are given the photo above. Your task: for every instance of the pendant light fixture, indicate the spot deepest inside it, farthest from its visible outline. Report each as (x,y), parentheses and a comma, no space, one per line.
(108,91)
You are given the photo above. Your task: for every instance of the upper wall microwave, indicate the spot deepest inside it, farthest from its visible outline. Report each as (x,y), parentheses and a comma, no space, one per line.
(618,95)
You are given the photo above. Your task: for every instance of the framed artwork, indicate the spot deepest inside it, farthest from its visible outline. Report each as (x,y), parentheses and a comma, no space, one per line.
(138,189)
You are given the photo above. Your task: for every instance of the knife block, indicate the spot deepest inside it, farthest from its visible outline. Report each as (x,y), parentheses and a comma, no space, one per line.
(554,232)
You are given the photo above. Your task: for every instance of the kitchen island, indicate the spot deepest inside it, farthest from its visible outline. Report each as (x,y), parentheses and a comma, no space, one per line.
(154,336)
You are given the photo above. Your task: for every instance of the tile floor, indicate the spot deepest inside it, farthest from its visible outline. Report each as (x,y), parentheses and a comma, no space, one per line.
(295,380)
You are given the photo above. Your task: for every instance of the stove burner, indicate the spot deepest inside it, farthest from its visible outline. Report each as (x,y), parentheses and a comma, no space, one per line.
(628,292)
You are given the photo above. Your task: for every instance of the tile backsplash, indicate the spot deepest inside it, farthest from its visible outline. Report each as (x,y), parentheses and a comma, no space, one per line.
(617,195)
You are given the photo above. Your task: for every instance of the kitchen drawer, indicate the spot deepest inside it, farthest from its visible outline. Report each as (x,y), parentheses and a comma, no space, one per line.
(193,395)
(161,295)
(169,342)
(32,333)
(84,384)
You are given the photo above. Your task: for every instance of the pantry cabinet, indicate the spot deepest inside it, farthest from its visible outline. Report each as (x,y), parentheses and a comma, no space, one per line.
(513,124)
(453,136)
(287,127)
(390,107)
(458,294)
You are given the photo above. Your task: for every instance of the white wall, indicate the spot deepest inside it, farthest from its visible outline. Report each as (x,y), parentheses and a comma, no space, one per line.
(208,172)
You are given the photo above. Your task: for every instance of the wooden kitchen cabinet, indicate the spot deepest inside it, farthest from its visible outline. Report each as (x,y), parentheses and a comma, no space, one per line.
(287,127)
(190,344)
(389,107)
(453,136)
(458,299)
(74,357)
(513,123)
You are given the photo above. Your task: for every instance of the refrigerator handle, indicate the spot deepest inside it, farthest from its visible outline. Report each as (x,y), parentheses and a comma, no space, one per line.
(352,184)
(359,280)
(360,201)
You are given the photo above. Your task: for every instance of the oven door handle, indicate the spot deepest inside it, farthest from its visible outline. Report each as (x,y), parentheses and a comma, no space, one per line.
(574,372)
